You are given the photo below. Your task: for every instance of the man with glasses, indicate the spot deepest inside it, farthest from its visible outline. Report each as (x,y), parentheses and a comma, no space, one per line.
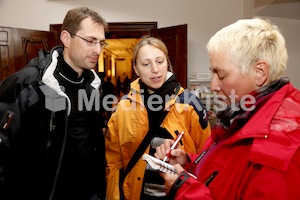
(92,42)
(51,141)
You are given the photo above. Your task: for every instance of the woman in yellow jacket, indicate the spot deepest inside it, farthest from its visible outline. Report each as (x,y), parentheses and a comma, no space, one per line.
(151,95)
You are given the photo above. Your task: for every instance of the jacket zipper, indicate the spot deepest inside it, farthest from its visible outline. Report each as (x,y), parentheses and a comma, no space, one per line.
(60,159)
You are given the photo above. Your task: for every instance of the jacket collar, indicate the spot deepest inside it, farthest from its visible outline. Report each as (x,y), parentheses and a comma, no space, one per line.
(52,83)
(135,93)
(234,118)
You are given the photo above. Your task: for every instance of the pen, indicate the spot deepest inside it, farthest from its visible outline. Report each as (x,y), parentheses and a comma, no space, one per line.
(177,140)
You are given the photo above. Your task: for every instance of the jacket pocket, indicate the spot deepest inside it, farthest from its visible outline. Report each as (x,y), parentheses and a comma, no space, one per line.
(211,178)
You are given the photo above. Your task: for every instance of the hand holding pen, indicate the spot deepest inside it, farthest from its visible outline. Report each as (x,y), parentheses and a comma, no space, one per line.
(177,140)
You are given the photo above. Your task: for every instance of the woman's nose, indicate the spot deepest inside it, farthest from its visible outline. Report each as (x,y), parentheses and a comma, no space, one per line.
(215,84)
(154,68)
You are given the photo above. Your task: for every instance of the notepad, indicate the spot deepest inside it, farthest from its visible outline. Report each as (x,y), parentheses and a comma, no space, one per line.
(159,165)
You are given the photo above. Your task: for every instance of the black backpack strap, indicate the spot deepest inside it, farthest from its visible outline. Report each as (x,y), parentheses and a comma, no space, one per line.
(140,150)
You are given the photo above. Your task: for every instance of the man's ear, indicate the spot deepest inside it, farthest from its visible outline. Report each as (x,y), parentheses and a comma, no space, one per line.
(65,38)
(135,70)
(262,73)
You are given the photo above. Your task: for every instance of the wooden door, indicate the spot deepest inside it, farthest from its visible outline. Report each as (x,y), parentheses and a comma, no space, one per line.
(175,38)
(19,46)
(7,65)
(28,43)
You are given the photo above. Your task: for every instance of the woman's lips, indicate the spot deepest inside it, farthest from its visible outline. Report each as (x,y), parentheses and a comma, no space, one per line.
(156,79)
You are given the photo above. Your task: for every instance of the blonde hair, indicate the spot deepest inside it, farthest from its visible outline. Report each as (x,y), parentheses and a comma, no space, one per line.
(148,40)
(250,40)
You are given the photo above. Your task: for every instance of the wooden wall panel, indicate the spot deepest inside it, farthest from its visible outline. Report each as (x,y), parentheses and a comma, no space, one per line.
(29,42)
(19,46)
(6,53)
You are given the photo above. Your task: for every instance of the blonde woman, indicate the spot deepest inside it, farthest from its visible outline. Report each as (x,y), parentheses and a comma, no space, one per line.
(159,107)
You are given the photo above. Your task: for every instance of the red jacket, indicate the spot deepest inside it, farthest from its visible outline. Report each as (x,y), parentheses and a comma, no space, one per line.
(260,161)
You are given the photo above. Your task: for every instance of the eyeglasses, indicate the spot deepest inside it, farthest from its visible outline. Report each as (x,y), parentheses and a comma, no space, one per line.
(92,43)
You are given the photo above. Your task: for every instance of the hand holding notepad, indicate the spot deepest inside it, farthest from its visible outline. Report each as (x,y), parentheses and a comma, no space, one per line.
(159,165)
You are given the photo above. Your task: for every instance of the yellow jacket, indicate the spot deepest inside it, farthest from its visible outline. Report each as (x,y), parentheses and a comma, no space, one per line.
(128,126)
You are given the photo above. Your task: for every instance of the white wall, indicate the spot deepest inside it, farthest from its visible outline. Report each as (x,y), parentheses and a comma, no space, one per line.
(204,18)
(291,31)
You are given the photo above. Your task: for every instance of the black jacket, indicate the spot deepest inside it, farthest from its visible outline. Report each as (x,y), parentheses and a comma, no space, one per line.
(39,159)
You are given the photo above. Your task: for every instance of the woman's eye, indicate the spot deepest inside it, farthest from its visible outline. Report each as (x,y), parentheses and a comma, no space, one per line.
(160,61)
(221,77)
